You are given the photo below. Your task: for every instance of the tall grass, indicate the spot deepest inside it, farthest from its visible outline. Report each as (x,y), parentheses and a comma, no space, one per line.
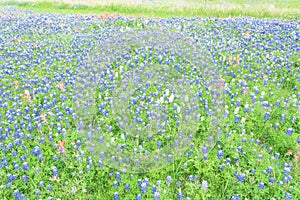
(165,9)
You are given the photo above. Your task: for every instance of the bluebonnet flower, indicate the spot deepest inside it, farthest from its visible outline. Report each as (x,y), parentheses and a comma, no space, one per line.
(226,113)
(5,162)
(49,187)
(156,196)
(118,177)
(23,158)
(55,157)
(140,182)
(261,186)
(90,162)
(272,180)
(169,179)
(228,160)
(100,164)
(277,155)
(25,178)
(244,140)
(127,187)
(38,192)
(41,158)
(235,197)
(88,168)
(278,104)
(158,144)
(180,195)
(287,171)
(11,177)
(220,154)
(288,196)
(294,119)
(17,194)
(282,117)
(270,170)
(116,184)
(42,184)
(116,196)
(55,171)
(267,116)
(289,132)
(25,166)
(221,167)
(154,189)
(8,185)
(236,119)
(147,181)
(184,165)
(14,153)
(236,160)
(16,166)
(144,188)
(10,145)
(240,177)
(139,197)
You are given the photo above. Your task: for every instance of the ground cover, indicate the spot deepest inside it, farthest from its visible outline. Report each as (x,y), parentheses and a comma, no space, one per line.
(45,156)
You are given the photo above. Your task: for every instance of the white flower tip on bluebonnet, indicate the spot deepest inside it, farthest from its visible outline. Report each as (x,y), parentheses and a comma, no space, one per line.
(123,136)
(161,100)
(204,185)
(171,99)
(167,92)
(236,110)
(243,120)
(186,98)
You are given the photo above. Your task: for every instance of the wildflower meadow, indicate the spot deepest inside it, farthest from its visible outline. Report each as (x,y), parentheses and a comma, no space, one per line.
(115,107)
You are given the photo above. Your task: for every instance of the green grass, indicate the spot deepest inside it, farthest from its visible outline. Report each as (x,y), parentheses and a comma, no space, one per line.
(288,10)
(98,182)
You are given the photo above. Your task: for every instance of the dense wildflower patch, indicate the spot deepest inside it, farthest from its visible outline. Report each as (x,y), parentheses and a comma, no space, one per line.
(255,156)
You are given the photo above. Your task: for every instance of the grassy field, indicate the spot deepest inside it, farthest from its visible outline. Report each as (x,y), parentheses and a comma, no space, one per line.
(188,8)
(102,107)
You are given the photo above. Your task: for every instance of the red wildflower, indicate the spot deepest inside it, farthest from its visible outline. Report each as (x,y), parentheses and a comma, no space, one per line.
(61,149)
(54,178)
(43,116)
(245,92)
(27,95)
(16,84)
(247,32)
(61,86)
